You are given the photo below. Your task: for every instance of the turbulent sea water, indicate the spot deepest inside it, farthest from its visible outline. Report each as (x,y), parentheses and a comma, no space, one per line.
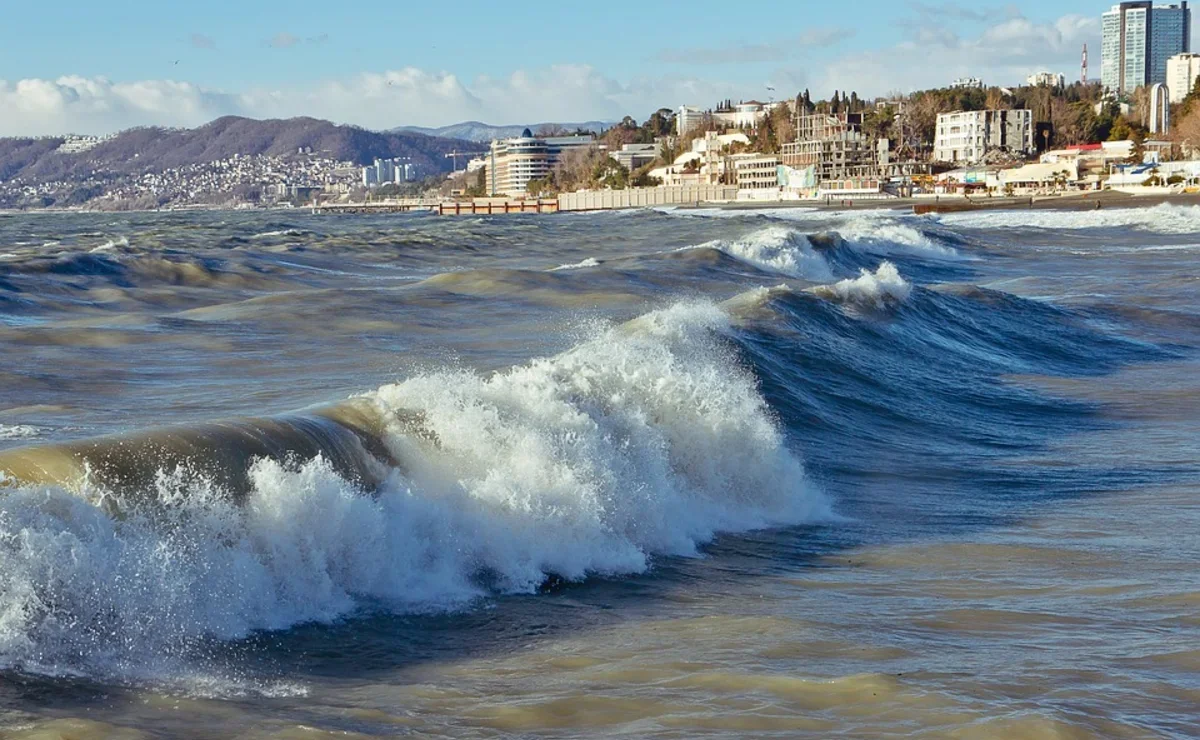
(666,474)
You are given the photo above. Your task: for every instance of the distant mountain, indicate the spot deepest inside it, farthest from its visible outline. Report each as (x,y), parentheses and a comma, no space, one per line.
(154,149)
(485,133)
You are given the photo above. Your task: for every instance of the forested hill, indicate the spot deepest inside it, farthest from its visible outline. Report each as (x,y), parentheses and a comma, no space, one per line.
(154,149)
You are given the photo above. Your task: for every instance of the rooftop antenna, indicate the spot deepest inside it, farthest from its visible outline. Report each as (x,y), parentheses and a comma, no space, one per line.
(1084,69)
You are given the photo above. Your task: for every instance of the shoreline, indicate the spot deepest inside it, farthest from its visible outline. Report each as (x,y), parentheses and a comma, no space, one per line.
(1097,200)
(1083,202)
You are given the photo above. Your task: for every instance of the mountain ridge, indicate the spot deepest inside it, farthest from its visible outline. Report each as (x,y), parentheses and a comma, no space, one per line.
(142,150)
(483,133)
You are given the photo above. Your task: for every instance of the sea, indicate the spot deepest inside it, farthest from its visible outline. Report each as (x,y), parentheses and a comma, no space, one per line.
(681,473)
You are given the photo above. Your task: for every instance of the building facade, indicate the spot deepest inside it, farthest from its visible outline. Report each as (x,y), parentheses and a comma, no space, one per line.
(967,83)
(834,146)
(688,118)
(1046,79)
(1138,39)
(757,176)
(388,171)
(970,136)
(635,156)
(1182,72)
(513,163)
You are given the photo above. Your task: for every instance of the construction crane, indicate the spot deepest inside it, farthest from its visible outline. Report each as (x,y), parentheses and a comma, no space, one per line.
(456,154)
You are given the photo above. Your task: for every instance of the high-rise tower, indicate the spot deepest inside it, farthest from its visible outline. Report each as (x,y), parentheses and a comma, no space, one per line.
(1139,38)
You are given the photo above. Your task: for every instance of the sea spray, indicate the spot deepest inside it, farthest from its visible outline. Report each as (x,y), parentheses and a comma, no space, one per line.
(645,440)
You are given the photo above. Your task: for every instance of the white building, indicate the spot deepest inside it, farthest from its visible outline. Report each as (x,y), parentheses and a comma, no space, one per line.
(1046,79)
(688,118)
(757,177)
(635,156)
(1182,72)
(513,163)
(969,136)
(1138,39)
(964,83)
(744,115)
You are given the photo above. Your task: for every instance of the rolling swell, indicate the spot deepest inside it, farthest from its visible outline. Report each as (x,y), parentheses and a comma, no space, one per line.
(646,440)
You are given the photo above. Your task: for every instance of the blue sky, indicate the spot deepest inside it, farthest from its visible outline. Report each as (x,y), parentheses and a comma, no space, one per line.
(383,64)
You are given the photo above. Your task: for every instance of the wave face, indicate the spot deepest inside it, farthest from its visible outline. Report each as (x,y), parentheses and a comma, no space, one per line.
(646,440)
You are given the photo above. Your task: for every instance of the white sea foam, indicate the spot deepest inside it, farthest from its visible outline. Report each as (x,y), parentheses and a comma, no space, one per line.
(280,232)
(1162,219)
(589,262)
(790,214)
(890,235)
(644,441)
(875,289)
(19,431)
(777,249)
(111,244)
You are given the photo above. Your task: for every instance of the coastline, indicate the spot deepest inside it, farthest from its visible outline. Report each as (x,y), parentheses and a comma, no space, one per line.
(1082,202)
(952,204)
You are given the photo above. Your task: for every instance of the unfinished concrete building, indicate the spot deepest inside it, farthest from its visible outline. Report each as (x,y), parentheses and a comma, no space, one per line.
(835,146)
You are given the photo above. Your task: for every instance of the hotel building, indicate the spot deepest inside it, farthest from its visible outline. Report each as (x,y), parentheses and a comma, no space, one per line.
(513,163)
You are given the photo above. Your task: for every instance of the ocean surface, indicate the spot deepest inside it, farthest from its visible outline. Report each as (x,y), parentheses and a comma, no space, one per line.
(656,474)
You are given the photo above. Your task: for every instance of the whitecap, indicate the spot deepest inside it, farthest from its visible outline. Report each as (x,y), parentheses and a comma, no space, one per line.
(776,249)
(875,289)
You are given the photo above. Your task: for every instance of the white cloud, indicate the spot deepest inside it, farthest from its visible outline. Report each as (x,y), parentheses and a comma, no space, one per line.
(1002,53)
(408,96)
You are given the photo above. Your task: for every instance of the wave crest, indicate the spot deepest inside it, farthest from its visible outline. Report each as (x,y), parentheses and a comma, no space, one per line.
(776,249)
(875,289)
(644,441)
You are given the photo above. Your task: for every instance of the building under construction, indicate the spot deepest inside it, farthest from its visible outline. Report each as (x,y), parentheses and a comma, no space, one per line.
(841,155)
(834,145)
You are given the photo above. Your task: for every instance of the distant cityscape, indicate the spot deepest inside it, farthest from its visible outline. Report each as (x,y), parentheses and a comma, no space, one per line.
(1049,134)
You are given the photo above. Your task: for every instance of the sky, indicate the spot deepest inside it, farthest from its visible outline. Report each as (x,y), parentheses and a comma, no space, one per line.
(92,68)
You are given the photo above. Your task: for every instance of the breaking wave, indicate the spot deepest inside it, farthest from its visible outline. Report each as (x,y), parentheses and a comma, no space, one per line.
(19,431)
(874,289)
(777,249)
(646,440)
(1161,219)
(883,235)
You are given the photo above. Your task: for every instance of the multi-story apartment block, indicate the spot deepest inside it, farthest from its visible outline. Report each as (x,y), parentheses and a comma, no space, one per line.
(969,136)
(1182,72)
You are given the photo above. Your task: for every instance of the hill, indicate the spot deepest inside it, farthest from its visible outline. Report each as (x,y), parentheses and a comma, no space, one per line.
(151,150)
(484,133)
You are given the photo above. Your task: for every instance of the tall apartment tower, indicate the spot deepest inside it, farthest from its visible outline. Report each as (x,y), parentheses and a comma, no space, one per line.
(1139,38)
